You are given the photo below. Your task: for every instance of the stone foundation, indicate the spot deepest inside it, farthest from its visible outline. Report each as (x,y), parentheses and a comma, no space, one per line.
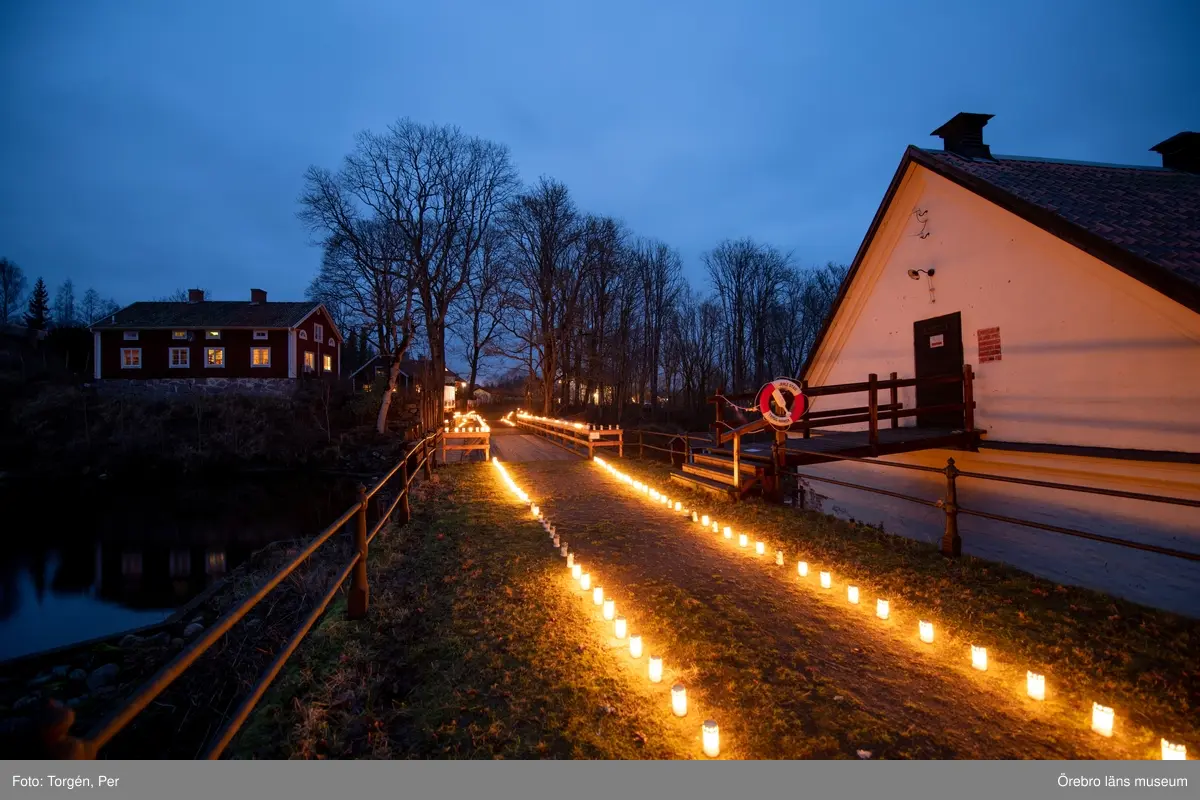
(275,387)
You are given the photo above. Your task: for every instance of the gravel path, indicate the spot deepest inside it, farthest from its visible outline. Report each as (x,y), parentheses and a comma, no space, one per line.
(795,672)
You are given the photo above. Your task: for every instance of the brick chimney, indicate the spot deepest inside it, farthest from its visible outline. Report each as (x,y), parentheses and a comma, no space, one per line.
(195,295)
(963,135)
(1181,152)
(258,295)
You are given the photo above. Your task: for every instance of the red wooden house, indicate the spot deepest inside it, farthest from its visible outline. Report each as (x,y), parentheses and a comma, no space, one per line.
(218,344)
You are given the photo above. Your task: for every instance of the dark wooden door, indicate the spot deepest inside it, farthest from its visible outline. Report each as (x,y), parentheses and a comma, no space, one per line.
(938,351)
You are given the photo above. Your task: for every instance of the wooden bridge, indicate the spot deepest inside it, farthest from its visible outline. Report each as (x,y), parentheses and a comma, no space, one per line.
(733,466)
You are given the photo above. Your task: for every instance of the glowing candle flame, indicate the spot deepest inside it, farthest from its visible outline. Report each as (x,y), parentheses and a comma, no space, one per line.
(979,658)
(1035,685)
(1173,752)
(704,520)
(926,629)
(571,562)
(1102,719)
(779,558)
(802,568)
(635,646)
(743,540)
(760,548)
(712,739)
(826,580)
(598,595)
(655,669)
(679,700)
(610,609)
(585,581)
(576,570)
(695,517)
(852,594)
(620,628)
(881,609)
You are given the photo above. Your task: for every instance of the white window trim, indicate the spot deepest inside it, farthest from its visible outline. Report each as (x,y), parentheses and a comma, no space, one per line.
(308,368)
(131,336)
(214,366)
(260,366)
(327,363)
(212,334)
(304,335)
(260,335)
(179,336)
(318,331)
(187,360)
(125,350)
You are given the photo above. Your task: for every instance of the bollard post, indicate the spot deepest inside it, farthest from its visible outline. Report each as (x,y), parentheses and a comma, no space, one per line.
(951,541)
(359,598)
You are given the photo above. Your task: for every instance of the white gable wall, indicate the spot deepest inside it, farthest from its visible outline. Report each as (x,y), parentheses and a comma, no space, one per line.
(1091,357)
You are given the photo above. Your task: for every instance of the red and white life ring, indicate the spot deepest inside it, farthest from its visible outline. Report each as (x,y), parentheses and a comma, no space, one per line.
(778,390)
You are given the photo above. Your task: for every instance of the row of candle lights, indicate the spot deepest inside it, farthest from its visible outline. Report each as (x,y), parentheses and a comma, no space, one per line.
(470,422)
(1103,717)
(566,423)
(710,731)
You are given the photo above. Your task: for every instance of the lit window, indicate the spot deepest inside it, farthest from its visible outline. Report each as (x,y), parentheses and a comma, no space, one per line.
(178,334)
(304,335)
(214,562)
(181,357)
(214,356)
(212,334)
(131,358)
(318,331)
(310,361)
(328,363)
(131,336)
(260,334)
(260,356)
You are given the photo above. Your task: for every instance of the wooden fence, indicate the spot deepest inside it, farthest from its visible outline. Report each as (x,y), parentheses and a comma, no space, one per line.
(573,435)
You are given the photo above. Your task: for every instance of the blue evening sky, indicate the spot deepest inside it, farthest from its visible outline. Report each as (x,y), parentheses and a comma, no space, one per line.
(152,145)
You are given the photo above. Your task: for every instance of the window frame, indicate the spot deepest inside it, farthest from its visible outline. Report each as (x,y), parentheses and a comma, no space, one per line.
(327,362)
(260,366)
(318,331)
(260,336)
(179,336)
(214,335)
(187,357)
(131,336)
(137,350)
(207,364)
(310,361)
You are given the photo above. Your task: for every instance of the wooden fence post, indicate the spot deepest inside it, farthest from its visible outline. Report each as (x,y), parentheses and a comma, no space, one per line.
(359,598)
(621,443)
(895,402)
(737,461)
(425,452)
(951,541)
(405,510)
(873,411)
(968,398)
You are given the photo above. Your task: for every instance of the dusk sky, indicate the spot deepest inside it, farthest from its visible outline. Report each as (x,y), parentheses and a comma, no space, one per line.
(148,146)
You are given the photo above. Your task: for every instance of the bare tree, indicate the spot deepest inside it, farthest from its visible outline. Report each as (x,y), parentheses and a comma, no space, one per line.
(485,301)
(64,304)
(180,296)
(660,272)
(546,232)
(363,267)
(12,289)
(437,192)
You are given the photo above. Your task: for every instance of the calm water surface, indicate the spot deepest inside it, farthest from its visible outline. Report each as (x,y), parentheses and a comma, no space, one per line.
(109,558)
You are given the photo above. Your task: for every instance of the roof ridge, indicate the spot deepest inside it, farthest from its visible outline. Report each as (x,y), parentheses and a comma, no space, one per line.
(1050,160)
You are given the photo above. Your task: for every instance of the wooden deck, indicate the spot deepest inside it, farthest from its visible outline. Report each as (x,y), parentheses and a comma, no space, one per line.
(857,444)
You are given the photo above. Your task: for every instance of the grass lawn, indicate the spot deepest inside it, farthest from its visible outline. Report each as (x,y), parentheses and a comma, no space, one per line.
(475,647)
(1090,646)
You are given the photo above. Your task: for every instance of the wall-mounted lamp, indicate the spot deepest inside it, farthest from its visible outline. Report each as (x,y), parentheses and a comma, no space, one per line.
(915,274)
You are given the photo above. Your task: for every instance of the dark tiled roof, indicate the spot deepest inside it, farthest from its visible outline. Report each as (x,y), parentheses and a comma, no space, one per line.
(1151,212)
(209,314)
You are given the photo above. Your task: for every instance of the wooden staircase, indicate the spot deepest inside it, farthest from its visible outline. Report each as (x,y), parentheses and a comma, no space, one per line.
(712,471)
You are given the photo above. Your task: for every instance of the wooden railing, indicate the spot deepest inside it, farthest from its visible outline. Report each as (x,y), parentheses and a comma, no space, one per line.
(419,458)
(574,434)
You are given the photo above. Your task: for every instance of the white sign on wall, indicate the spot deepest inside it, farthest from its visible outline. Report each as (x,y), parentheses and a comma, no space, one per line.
(937,340)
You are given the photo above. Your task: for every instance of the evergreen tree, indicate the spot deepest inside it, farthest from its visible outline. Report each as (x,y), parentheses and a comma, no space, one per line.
(39,307)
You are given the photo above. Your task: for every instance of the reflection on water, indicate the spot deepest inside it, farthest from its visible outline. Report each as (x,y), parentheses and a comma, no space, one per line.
(121,559)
